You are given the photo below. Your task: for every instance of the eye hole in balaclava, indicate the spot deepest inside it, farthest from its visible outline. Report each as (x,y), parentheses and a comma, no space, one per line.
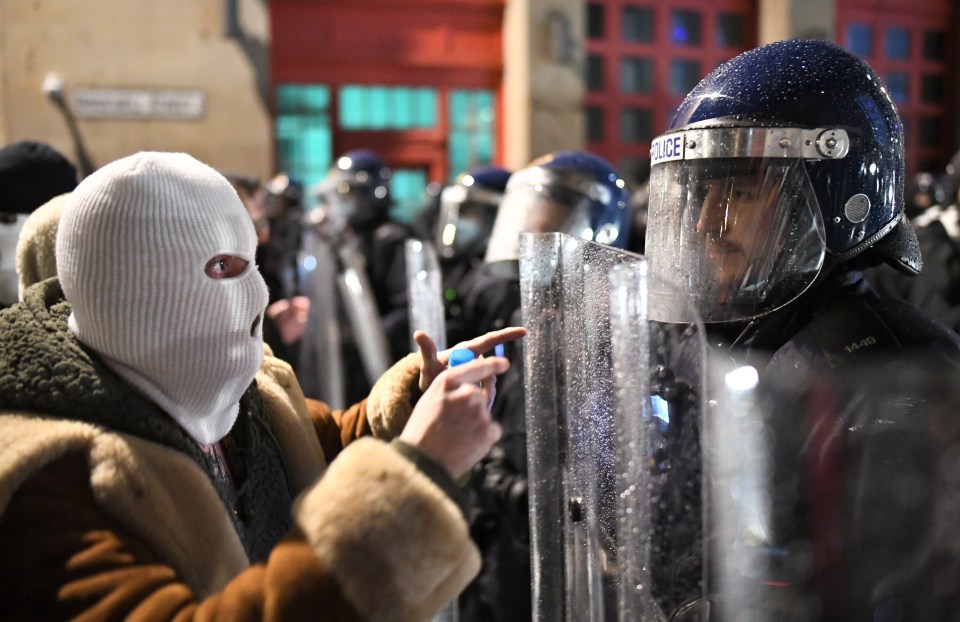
(225,267)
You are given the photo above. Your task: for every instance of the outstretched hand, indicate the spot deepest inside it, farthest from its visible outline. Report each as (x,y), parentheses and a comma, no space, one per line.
(433,362)
(451,422)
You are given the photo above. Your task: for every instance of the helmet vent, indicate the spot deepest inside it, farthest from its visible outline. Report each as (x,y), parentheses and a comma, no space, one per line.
(857,207)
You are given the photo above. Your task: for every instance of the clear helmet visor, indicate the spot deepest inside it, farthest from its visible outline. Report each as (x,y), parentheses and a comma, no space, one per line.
(737,237)
(465,222)
(537,208)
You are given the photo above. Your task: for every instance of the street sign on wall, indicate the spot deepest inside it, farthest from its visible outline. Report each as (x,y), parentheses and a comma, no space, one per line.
(137,103)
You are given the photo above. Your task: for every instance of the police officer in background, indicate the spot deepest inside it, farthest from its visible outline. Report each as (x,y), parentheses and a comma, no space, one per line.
(282,202)
(276,209)
(468,208)
(937,289)
(571,192)
(780,179)
(353,214)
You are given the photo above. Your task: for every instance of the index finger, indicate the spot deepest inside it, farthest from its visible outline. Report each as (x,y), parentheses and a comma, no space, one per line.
(486,342)
(478,370)
(428,349)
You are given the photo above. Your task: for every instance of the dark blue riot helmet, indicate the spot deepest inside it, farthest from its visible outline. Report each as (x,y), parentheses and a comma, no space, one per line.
(572,192)
(356,190)
(468,208)
(786,159)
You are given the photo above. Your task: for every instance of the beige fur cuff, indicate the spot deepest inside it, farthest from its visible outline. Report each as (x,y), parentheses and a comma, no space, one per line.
(390,402)
(38,240)
(398,546)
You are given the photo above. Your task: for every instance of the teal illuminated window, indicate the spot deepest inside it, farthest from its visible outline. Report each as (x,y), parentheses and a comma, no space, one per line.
(386,108)
(304,139)
(305,127)
(407,188)
(471,137)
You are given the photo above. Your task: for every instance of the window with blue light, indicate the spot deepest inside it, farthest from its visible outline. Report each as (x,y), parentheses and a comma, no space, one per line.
(898,83)
(685,27)
(471,137)
(897,43)
(858,39)
(303,133)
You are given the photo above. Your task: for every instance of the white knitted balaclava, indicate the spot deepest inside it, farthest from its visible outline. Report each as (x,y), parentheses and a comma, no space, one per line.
(133,243)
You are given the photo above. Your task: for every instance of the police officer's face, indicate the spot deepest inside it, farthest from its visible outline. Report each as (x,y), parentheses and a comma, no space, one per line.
(547,215)
(734,221)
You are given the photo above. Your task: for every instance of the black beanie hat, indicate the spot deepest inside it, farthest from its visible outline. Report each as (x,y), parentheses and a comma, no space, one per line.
(32,173)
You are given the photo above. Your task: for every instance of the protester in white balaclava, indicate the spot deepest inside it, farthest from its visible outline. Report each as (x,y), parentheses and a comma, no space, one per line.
(155,254)
(31,173)
(119,495)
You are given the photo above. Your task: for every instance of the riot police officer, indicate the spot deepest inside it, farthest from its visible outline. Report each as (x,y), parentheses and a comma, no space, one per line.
(779,180)
(571,192)
(468,208)
(353,215)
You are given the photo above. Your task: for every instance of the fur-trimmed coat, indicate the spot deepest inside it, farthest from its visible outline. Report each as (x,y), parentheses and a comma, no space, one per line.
(102,524)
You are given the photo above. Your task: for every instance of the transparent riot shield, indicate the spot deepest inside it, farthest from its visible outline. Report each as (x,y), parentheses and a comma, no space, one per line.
(320,368)
(425,292)
(571,430)
(834,493)
(333,277)
(362,313)
(425,304)
(659,377)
